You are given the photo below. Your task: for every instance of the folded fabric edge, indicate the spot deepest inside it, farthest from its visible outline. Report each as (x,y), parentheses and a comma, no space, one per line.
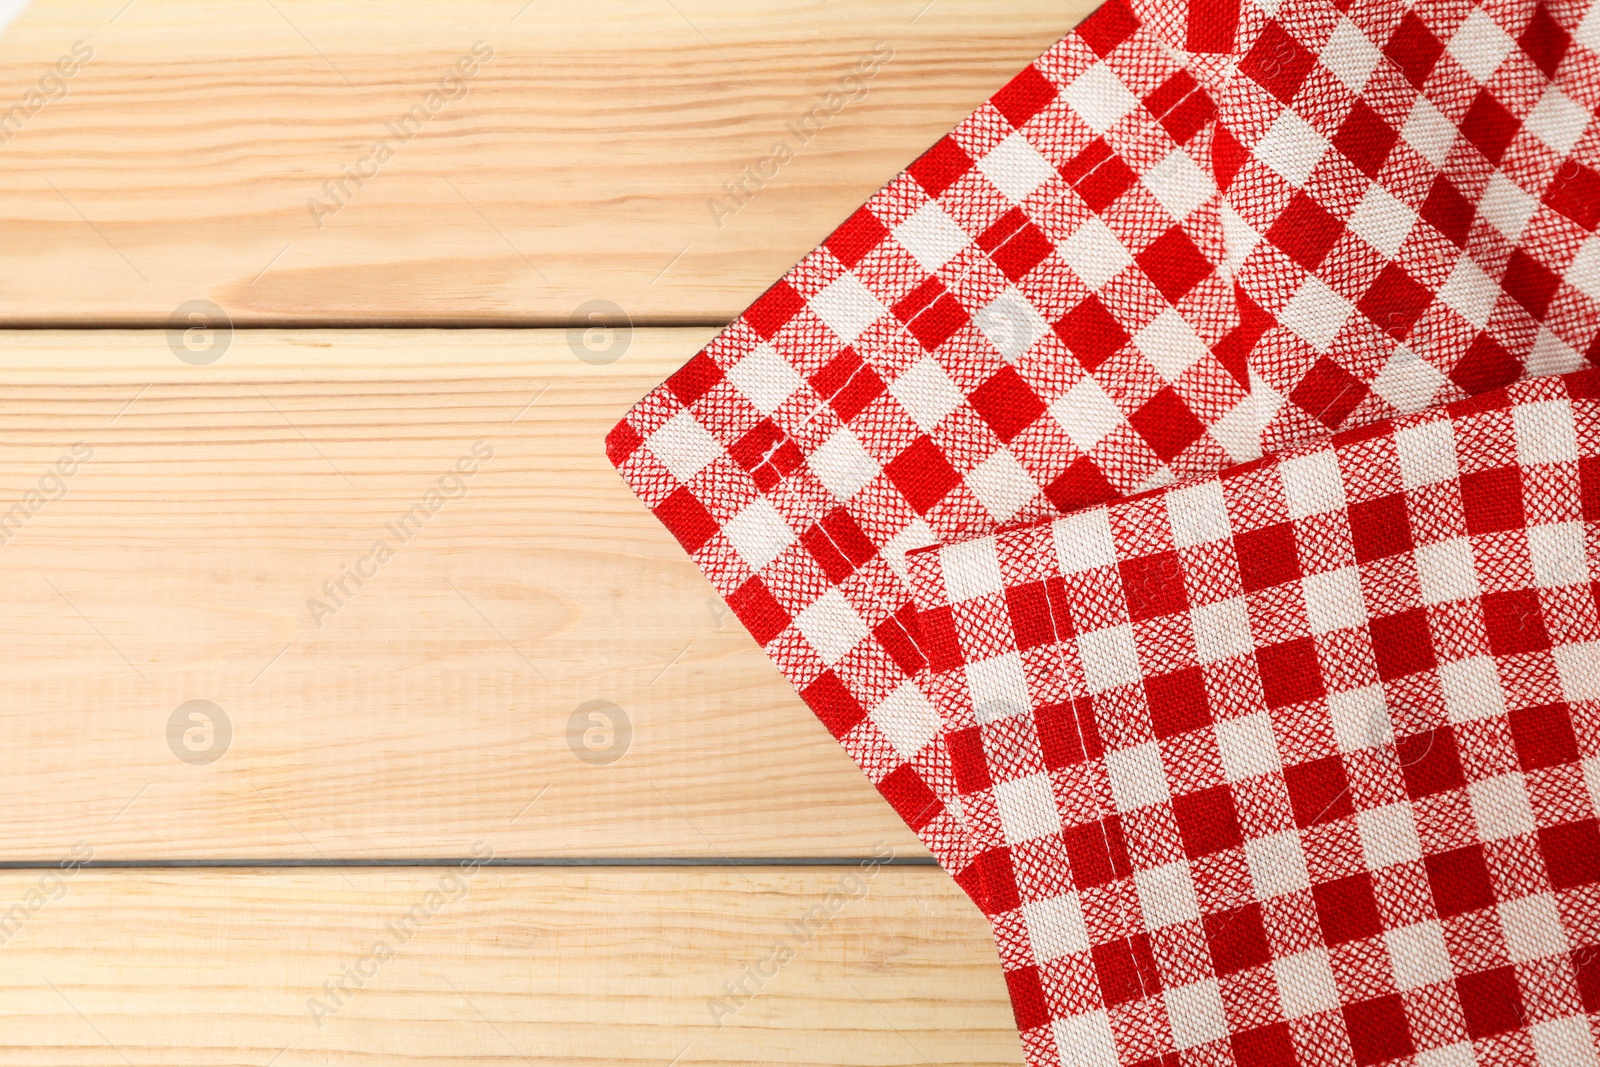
(901,777)
(930,570)
(926,566)
(888,726)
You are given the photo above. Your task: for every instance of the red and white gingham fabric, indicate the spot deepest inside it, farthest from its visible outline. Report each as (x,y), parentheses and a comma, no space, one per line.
(1189,232)
(1298,764)
(1411,192)
(1033,317)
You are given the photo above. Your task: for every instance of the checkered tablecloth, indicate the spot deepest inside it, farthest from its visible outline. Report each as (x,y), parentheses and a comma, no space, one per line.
(1285,765)
(1187,235)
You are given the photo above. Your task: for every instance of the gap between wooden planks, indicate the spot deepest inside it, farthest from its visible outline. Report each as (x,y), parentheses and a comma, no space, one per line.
(431,710)
(578,163)
(227,969)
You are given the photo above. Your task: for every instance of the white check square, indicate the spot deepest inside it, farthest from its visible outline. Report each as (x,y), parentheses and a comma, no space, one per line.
(1099,97)
(848,307)
(1016,168)
(931,236)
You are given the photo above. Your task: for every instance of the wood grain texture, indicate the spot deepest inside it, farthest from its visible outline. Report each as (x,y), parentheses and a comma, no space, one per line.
(431,709)
(578,163)
(501,967)
(173,533)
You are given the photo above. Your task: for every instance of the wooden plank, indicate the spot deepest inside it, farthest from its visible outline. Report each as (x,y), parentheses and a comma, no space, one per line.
(580,162)
(433,705)
(502,967)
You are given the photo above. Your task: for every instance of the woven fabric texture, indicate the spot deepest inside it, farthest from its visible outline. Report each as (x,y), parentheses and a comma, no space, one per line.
(1300,763)
(1411,191)
(1031,318)
(1175,492)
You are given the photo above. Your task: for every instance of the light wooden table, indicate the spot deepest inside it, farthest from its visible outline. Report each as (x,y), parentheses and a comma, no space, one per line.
(371,733)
